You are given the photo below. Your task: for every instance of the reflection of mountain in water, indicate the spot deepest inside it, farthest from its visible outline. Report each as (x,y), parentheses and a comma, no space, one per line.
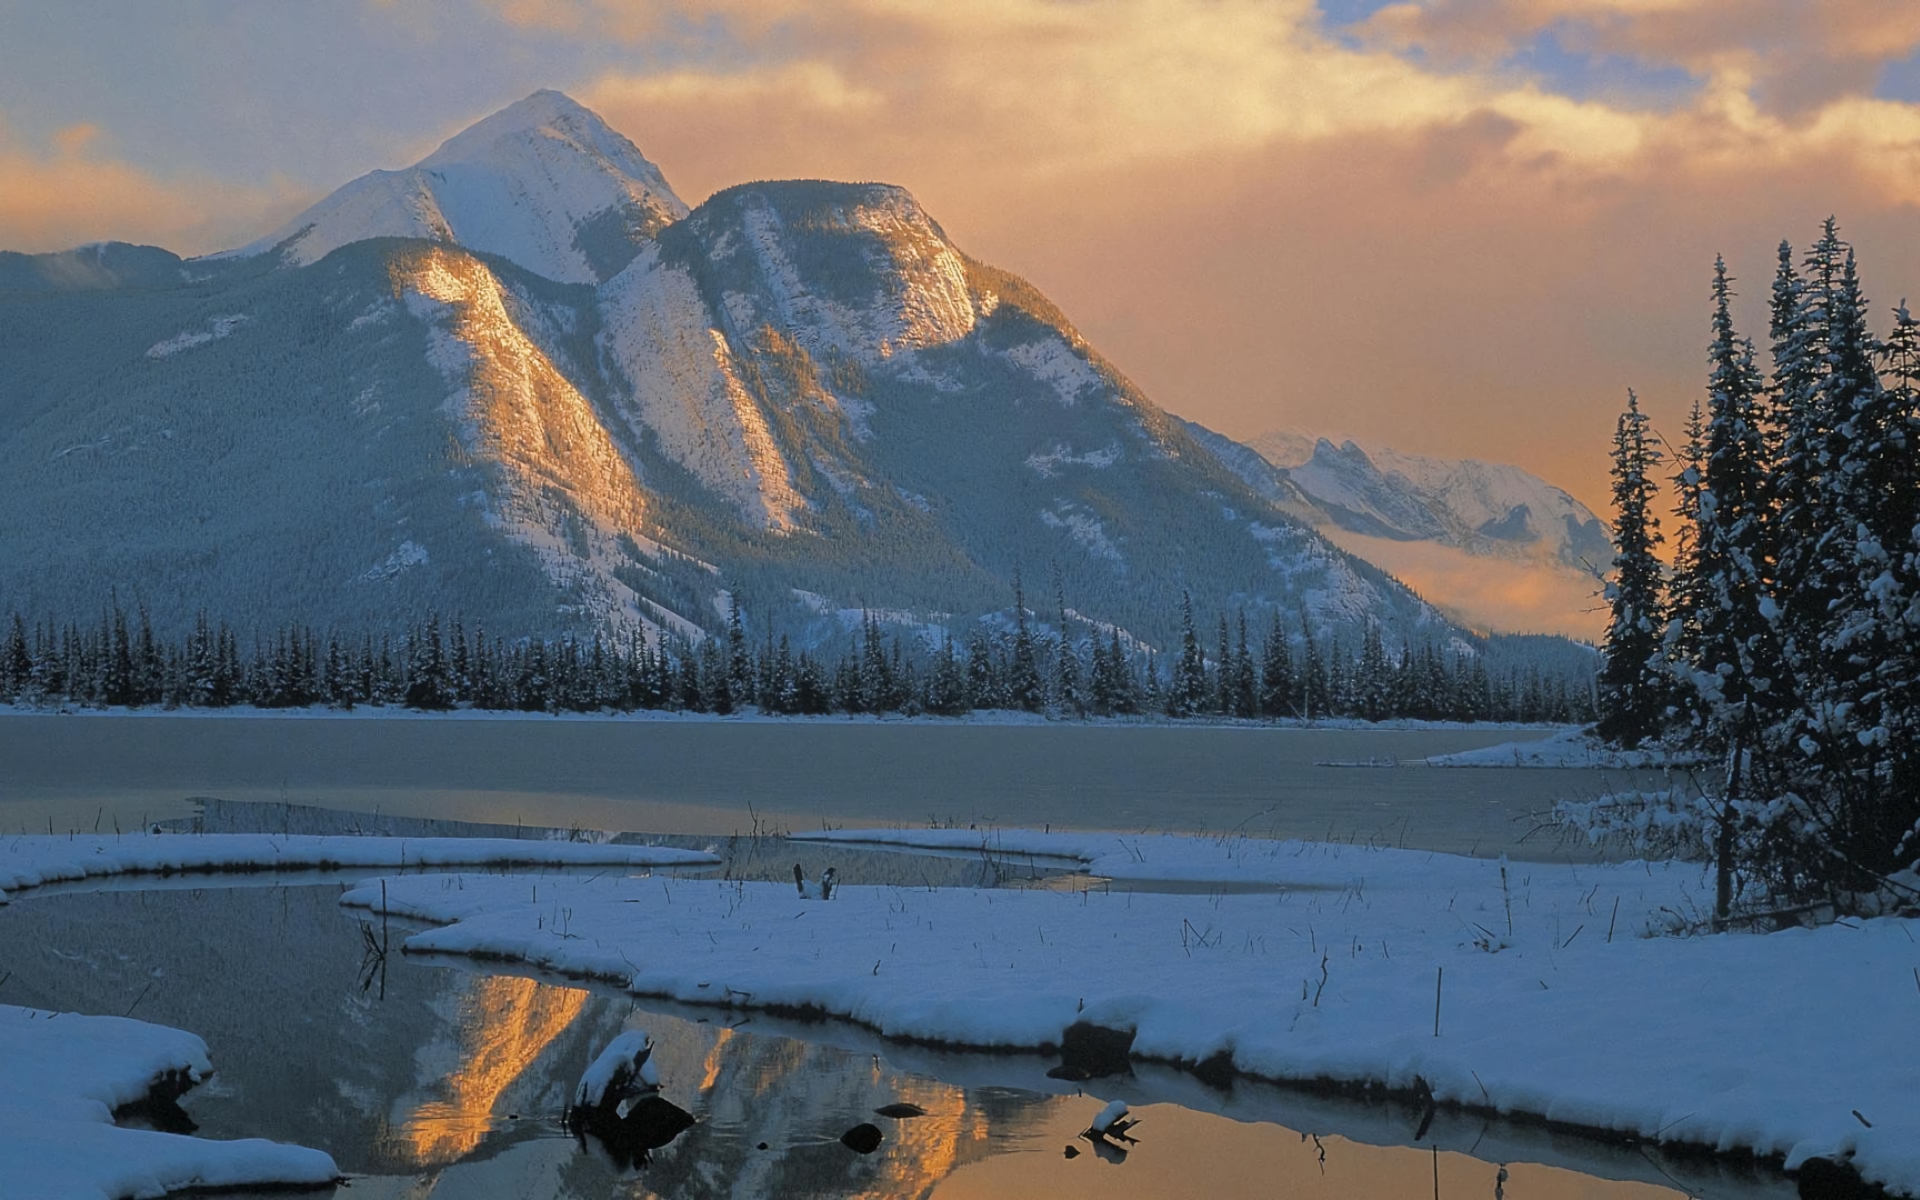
(798,1098)
(457,1080)
(501,1027)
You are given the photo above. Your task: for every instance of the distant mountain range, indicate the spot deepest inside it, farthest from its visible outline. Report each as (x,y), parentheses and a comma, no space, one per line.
(1493,545)
(522,381)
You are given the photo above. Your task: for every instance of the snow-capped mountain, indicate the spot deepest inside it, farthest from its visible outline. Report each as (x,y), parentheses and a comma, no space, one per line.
(543,183)
(800,395)
(1429,519)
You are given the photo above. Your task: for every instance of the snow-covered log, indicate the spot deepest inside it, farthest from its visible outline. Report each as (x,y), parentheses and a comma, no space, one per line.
(623,1070)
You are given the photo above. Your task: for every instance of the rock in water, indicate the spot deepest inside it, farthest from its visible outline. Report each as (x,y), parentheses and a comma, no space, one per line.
(863,1138)
(1090,1051)
(901,1112)
(629,1142)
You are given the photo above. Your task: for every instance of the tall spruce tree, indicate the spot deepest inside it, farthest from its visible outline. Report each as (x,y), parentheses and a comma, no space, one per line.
(1276,672)
(1633,694)
(1730,657)
(1725,654)
(1187,694)
(1024,690)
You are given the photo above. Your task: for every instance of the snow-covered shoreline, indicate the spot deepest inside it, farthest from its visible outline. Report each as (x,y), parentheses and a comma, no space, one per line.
(1572,1013)
(1566,747)
(33,860)
(994,718)
(66,1074)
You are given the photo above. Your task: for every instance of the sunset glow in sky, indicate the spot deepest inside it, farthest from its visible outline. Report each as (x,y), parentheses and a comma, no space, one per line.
(1460,227)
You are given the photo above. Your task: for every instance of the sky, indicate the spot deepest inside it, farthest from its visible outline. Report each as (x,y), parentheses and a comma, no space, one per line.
(1456,227)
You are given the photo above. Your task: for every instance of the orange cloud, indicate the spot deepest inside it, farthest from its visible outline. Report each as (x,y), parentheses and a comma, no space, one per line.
(1267,228)
(67,194)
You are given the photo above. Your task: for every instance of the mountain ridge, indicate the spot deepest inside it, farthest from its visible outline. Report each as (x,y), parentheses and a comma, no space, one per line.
(799,395)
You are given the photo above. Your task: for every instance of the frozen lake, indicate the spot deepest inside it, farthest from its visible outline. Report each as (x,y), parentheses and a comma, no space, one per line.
(719,777)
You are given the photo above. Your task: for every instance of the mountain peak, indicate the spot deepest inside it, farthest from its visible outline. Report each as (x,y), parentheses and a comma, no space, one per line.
(543,182)
(546,113)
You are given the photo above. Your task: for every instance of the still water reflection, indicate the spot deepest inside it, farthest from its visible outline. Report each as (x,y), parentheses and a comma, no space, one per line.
(445,1081)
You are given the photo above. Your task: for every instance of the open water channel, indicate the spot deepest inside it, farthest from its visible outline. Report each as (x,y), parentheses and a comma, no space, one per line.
(441,1078)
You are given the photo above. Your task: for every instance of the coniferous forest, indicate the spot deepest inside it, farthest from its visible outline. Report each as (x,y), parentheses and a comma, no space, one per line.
(1784,640)
(117,659)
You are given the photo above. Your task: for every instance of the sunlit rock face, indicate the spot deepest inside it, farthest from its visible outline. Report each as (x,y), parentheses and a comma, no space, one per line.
(461,387)
(561,487)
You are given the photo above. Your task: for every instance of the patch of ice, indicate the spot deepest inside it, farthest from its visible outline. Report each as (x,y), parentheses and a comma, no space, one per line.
(32,860)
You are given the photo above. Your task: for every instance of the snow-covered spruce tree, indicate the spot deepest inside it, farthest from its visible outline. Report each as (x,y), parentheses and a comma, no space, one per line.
(1832,833)
(742,686)
(1806,391)
(1721,644)
(1276,672)
(1187,694)
(1246,688)
(1633,686)
(1861,724)
(1024,690)
(1315,695)
(1066,658)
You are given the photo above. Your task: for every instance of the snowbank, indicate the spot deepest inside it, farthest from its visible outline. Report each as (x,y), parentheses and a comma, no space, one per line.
(65,1074)
(1553,1000)
(1567,748)
(33,859)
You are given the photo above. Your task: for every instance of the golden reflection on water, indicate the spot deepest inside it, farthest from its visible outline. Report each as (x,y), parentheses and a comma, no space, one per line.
(921,1151)
(960,1150)
(716,1055)
(1187,1153)
(504,1025)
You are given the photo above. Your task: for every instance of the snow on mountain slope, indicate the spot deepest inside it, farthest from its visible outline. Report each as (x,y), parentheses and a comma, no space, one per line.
(687,392)
(564,489)
(908,290)
(544,183)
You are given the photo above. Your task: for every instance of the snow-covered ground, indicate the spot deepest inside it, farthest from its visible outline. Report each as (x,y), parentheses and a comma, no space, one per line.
(31,860)
(61,1077)
(1553,996)
(1566,748)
